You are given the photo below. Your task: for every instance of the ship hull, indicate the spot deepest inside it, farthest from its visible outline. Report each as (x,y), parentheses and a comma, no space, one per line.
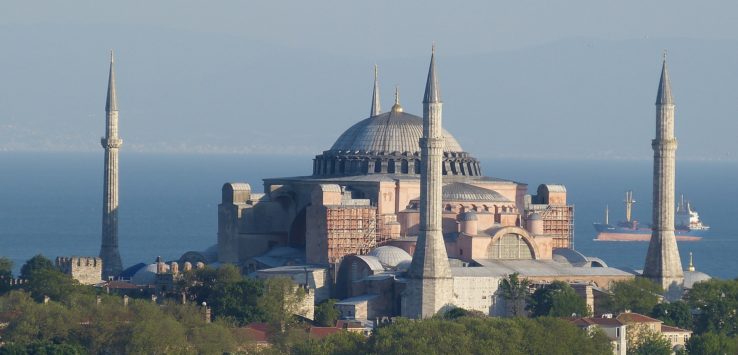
(611,233)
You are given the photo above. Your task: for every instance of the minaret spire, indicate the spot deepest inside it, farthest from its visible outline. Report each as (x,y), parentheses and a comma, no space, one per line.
(663,264)
(376,107)
(430,286)
(397,107)
(109,253)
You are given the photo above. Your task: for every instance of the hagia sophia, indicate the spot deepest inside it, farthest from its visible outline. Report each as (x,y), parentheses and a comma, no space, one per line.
(397,219)
(349,229)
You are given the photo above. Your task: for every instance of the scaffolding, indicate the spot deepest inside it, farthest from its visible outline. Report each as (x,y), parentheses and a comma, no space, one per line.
(558,222)
(350,230)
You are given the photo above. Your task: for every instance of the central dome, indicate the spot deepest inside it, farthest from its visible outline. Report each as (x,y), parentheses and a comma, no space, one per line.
(389,132)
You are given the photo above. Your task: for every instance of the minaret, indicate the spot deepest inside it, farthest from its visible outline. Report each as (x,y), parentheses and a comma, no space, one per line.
(376,108)
(112,265)
(430,286)
(663,264)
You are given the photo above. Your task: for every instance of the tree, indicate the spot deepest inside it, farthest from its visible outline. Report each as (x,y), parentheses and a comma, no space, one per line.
(281,301)
(51,283)
(326,313)
(34,264)
(515,292)
(341,343)
(6,273)
(557,299)
(647,342)
(712,343)
(716,302)
(677,314)
(639,295)
(237,300)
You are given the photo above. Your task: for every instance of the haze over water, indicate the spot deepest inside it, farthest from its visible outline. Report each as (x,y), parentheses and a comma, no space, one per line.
(50,203)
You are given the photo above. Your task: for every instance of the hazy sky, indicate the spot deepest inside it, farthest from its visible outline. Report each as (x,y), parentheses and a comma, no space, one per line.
(571,79)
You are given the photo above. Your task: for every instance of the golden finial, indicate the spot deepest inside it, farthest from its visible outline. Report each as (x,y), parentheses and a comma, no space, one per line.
(112,56)
(397,107)
(691,264)
(664,54)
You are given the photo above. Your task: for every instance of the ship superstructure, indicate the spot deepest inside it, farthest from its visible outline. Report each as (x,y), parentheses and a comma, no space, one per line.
(688,226)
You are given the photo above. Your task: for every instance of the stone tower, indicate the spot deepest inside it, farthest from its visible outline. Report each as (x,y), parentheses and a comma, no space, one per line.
(376,107)
(663,264)
(430,286)
(109,254)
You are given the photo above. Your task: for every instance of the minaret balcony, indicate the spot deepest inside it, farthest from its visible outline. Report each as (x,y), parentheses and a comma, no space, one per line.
(111,142)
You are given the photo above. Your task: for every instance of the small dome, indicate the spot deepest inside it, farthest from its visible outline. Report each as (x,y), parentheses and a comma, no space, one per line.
(146,275)
(693,277)
(390,257)
(468,216)
(459,191)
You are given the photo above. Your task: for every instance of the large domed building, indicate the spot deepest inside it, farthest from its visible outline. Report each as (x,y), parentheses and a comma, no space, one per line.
(356,218)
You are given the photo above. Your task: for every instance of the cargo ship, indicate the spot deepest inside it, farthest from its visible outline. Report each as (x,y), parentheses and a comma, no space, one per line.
(688,226)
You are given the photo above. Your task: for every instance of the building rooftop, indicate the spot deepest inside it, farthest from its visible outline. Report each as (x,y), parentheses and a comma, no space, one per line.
(630,317)
(501,268)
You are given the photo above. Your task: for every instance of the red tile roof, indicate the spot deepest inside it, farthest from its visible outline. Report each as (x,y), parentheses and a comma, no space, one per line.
(258,332)
(636,318)
(586,321)
(670,329)
(322,332)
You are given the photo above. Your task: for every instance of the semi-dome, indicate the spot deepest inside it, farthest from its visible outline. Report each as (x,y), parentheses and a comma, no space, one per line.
(389,132)
(389,256)
(459,191)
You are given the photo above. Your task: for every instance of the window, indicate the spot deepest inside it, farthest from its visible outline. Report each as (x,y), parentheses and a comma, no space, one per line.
(510,246)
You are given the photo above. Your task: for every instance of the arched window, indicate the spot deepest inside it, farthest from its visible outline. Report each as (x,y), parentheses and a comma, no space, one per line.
(417,166)
(378,166)
(404,166)
(510,246)
(391,166)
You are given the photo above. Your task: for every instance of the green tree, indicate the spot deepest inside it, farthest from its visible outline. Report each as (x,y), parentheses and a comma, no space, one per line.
(716,302)
(237,300)
(639,295)
(326,313)
(6,273)
(557,299)
(649,343)
(281,301)
(515,292)
(712,343)
(677,314)
(34,264)
(341,343)
(42,348)
(52,283)
(212,338)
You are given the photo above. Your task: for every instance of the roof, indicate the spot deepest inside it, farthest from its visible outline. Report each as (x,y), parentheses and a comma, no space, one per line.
(357,300)
(459,191)
(601,321)
(630,317)
(390,256)
(432,89)
(371,261)
(501,268)
(389,132)
(256,331)
(663,97)
(669,329)
(322,332)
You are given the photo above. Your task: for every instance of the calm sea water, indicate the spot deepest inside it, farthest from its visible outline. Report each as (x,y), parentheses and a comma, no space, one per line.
(51,203)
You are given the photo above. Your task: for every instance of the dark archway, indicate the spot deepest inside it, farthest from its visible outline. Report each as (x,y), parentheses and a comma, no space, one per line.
(296,236)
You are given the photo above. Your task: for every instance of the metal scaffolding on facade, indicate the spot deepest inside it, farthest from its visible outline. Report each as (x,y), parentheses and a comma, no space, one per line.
(351,230)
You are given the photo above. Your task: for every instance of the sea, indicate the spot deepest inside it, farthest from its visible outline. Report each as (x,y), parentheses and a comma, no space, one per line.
(50,203)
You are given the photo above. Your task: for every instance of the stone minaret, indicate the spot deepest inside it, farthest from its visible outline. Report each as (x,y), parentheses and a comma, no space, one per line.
(663,264)
(430,286)
(112,265)
(376,108)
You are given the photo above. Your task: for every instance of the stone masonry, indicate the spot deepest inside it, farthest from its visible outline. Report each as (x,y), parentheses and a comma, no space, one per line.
(430,285)
(111,143)
(663,264)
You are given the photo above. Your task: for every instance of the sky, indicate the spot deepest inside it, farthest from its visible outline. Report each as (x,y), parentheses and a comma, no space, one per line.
(520,79)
